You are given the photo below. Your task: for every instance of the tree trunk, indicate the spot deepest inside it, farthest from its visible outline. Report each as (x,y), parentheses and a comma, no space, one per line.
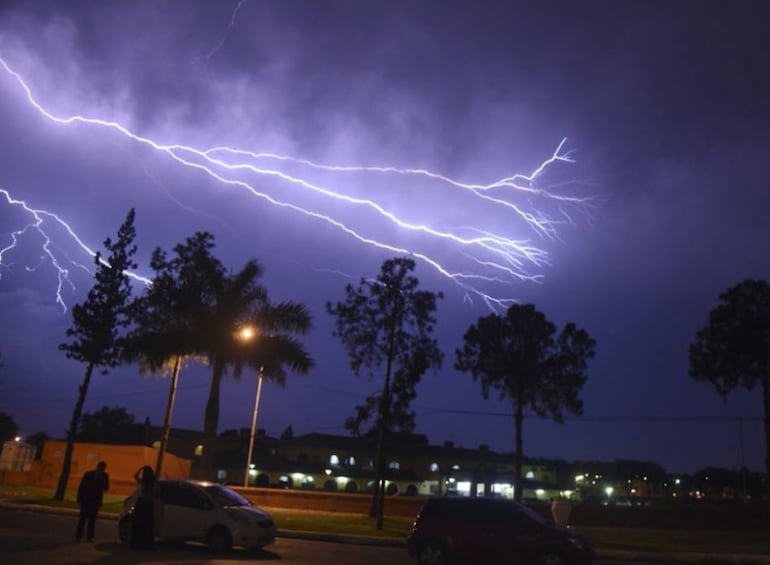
(518,423)
(167,419)
(61,487)
(376,509)
(378,496)
(210,422)
(766,406)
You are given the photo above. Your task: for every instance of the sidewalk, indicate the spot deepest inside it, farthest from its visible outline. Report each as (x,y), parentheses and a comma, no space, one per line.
(607,554)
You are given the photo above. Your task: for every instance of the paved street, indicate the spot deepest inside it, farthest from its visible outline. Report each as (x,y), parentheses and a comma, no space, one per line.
(34,538)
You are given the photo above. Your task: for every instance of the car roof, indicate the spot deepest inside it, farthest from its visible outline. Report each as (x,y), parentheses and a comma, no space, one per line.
(193,482)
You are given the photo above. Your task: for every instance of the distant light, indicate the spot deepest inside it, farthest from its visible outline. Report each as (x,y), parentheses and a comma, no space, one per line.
(17,438)
(677,481)
(539,492)
(578,478)
(328,471)
(609,491)
(252,466)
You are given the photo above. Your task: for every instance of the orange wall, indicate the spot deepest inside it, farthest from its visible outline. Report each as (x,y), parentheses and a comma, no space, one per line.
(122,462)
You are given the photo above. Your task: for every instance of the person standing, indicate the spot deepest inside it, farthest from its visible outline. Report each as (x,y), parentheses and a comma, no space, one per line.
(92,487)
(143,525)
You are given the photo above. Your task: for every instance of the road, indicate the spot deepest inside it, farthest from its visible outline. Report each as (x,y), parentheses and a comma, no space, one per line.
(34,538)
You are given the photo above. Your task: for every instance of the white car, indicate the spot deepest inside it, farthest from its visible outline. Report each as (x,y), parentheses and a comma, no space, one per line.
(203,512)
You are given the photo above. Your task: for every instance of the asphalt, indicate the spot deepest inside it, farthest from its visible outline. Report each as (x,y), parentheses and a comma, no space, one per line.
(607,554)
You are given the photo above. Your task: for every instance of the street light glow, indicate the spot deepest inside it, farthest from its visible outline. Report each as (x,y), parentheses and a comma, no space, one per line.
(247,333)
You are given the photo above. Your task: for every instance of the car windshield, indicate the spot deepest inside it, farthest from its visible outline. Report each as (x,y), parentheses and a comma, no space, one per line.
(532,513)
(226,497)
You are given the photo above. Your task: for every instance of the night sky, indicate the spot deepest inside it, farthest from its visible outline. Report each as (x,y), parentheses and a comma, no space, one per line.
(661,202)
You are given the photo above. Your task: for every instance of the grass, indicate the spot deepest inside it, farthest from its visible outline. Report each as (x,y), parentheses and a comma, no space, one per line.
(628,539)
(679,541)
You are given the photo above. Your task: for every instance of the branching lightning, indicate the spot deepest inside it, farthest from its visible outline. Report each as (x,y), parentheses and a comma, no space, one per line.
(500,259)
(37,223)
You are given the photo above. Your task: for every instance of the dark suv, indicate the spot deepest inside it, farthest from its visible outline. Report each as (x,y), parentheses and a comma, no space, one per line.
(492,530)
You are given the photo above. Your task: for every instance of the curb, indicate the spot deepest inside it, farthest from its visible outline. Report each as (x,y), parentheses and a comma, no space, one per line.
(608,554)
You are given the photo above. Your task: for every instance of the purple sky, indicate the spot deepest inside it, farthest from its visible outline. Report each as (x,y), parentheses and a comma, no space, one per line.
(664,106)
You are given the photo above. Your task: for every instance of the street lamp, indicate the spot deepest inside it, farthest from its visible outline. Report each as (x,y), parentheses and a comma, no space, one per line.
(247,333)
(254,424)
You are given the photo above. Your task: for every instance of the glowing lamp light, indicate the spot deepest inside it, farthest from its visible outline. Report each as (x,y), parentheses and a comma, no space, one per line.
(247,333)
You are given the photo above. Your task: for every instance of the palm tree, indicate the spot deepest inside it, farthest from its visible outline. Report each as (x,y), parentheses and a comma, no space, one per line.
(195,308)
(170,316)
(240,301)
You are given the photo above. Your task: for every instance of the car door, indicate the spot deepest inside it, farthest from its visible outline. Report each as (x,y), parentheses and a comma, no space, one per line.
(507,534)
(185,514)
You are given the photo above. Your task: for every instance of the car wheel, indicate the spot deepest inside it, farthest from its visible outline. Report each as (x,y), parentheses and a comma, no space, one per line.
(124,531)
(551,557)
(431,554)
(219,540)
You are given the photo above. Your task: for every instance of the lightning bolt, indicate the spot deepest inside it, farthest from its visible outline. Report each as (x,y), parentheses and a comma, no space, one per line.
(228,29)
(38,223)
(502,258)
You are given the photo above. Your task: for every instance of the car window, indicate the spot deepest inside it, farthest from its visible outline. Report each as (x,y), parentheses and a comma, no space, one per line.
(528,512)
(226,497)
(178,495)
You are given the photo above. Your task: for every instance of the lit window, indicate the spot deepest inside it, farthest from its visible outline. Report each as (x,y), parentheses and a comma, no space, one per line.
(455,467)
(393,465)
(530,475)
(351,461)
(434,467)
(334,460)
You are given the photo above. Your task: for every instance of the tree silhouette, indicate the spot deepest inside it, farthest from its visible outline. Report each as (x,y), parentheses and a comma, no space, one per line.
(8,428)
(110,425)
(97,324)
(733,349)
(520,356)
(388,322)
(196,309)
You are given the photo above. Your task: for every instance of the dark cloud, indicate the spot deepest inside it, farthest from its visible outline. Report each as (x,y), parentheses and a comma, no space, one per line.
(664,103)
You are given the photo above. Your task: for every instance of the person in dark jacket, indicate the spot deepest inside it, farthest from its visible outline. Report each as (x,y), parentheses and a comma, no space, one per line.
(92,487)
(143,525)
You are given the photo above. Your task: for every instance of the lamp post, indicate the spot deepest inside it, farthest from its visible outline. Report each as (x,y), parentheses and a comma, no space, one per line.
(254,424)
(247,333)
